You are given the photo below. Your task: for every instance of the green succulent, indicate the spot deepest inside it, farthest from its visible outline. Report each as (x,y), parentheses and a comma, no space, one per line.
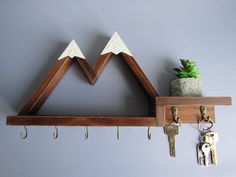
(188,69)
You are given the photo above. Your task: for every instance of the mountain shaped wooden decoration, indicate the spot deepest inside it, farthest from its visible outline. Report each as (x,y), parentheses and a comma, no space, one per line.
(159,107)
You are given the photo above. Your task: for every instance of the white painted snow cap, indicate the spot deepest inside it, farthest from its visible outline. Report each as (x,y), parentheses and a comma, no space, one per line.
(72,50)
(116,46)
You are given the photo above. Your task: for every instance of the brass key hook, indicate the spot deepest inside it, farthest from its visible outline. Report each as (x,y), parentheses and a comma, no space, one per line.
(55,134)
(25,134)
(205,118)
(203,114)
(176,119)
(86,133)
(149,135)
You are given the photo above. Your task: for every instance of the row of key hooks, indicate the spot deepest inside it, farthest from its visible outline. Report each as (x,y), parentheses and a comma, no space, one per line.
(206,148)
(24,134)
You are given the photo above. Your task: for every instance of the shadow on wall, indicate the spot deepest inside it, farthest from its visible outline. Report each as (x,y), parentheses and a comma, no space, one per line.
(16,104)
(40,76)
(165,76)
(94,51)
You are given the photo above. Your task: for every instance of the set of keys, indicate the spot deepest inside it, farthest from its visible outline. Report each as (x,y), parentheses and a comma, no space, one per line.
(206,149)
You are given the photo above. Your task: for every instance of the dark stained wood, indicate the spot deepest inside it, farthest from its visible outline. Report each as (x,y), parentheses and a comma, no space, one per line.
(187,114)
(51,80)
(80,121)
(88,71)
(93,74)
(197,101)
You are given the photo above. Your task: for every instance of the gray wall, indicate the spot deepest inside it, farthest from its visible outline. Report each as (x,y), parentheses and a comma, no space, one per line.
(158,33)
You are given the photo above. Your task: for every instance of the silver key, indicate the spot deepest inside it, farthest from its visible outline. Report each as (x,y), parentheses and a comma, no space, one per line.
(213,138)
(206,149)
(171,131)
(214,158)
(200,156)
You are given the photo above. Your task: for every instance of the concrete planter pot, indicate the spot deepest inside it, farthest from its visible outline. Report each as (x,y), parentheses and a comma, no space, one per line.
(186,87)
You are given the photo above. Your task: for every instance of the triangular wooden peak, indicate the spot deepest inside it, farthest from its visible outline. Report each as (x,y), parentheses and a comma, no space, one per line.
(115,46)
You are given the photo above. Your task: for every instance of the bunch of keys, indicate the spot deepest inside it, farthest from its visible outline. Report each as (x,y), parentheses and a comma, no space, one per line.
(206,149)
(172,130)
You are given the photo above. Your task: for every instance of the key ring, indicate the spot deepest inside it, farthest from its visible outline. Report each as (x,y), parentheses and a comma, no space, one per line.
(205,130)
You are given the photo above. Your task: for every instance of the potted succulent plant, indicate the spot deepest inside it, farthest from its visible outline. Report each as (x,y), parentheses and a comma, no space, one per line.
(188,82)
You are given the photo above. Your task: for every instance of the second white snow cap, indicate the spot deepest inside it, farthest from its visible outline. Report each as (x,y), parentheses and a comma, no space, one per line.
(116,46)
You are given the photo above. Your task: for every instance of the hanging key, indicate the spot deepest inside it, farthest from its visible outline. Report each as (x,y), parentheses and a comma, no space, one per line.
(213,138)
(171,131)
(206,149)
(200,155)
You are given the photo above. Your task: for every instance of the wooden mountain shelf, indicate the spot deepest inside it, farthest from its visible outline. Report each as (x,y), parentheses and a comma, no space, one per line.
(160,113)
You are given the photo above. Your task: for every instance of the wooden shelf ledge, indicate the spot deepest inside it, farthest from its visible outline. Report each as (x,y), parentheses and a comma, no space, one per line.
(80,121)
(193,101)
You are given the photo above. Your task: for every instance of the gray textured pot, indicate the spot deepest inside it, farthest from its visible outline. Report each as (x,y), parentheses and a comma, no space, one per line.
(186,87)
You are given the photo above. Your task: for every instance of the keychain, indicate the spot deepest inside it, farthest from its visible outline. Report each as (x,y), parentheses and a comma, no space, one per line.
(206,148)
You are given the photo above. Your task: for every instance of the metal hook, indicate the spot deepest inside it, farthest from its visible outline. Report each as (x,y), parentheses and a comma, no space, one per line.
(86,133)
(206,119)
(203,114)
(55,134)
(149,135)
(25,134)
(176,119)
(118,133)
